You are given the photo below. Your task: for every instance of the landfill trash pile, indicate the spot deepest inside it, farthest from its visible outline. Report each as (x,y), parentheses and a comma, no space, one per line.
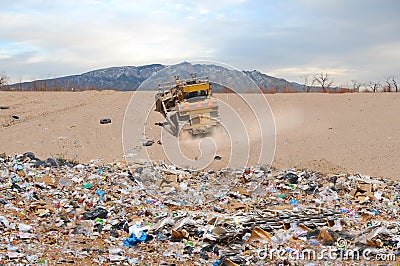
(156,214)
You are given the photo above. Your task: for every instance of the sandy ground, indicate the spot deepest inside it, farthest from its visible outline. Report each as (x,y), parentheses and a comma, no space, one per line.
(357,132)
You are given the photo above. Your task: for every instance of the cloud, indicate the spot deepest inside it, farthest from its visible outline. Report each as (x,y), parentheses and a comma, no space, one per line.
(351,39)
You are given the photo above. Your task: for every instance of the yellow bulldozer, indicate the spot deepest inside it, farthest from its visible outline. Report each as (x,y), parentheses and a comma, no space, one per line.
(188,105)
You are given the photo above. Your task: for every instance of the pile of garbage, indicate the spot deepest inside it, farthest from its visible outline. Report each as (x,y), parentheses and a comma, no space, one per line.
(152,213)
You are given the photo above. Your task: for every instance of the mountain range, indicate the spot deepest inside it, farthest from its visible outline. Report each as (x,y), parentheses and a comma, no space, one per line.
(128,78)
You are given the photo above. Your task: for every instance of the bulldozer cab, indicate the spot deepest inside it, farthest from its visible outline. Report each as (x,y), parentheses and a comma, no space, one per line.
(195,94)
(195,90)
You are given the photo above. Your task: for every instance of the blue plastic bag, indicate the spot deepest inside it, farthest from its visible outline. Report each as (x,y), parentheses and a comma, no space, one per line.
(133,240)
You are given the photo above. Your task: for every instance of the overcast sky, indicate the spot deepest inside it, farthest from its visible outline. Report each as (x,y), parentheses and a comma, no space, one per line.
(349,39)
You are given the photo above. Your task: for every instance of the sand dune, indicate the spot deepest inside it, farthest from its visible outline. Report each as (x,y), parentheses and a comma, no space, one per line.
(357,132)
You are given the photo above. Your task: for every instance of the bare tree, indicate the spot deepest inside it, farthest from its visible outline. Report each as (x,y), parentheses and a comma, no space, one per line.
(388,87)
(307,84)
(4,81)
(324,81)
(356,85)
(391,84)
(395,85)
(374,86)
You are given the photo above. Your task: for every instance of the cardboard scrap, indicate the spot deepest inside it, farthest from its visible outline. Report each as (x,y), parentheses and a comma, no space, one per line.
(304,227)
(259,234)
(363,192)
(21,173)
(374,243)
(282,207)
(228,262)
(215,220)
(353,192)
(167,186)
(48,181)
(178,235)
(219,231)
(242,191)
(365,187)
(295,240)
(324,235)
(171,178)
